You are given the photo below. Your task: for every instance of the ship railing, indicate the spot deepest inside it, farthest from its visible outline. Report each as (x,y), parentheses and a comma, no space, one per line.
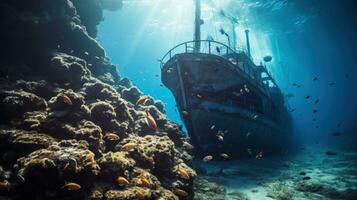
(206,47)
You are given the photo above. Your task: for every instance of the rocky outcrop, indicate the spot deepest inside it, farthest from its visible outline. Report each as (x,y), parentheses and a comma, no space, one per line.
(70,127)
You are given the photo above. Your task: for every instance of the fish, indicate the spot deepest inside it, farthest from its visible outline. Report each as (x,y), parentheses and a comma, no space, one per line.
(259,155)
(183,173)
(314,79)
(151,121)
(307,97)
(122,181)
(314,119)
(248,134)
(142,100)
(207,158)
(72,186)
(314,111)
(220,133)
(332,83)
(199,96)
(255,116)
(250,152)
(294,84)
(145,182)
(212,127)
(316,101)
(299,86)
(187,145)
(220,138)
(139,193)
(180,192)
(306,178)
(112,136)
(128,146)
(184,112)
(246,89)
(66,99)
(233,61)
(292,110)
(224,155)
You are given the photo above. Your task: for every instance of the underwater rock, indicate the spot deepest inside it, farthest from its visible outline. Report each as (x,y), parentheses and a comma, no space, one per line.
(16,103)
(69,157)
(67,69)
(280,191)
(23,141)
(206,190)
(131,94)
(70,125)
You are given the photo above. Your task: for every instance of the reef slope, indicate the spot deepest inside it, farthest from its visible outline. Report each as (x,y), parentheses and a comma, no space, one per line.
(70,125)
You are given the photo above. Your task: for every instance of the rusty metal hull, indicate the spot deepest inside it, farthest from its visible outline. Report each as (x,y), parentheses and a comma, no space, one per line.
(208,89)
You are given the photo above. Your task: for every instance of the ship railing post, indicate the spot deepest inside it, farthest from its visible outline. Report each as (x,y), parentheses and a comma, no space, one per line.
(170,54)
(185,47)
(209,47)
(227,49)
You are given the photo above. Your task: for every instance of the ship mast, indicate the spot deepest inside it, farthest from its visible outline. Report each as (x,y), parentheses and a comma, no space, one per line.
(198,23)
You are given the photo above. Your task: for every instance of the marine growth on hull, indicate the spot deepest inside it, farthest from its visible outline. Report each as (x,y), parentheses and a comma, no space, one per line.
(71,127)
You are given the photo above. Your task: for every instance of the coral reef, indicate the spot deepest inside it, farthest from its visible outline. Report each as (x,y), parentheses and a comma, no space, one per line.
(70,126)
(206,190)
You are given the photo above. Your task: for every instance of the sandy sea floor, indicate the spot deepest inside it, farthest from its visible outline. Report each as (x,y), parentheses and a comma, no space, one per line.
(308,174)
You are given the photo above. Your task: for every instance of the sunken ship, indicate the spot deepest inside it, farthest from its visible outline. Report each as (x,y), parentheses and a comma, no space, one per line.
(229,105)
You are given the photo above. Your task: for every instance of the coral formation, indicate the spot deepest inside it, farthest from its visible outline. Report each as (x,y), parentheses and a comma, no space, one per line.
(70,125)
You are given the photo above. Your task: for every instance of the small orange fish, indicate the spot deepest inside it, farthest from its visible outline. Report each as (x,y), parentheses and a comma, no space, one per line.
(66,99)
(72,186)
(139,193)
(151,121)
(142,100)
(122,181)
(183,173)
(145,182)
(112,136)
(128,146)
(180,192)
(207,158)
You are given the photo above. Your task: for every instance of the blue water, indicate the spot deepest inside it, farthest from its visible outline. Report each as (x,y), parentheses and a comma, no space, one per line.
(306,38)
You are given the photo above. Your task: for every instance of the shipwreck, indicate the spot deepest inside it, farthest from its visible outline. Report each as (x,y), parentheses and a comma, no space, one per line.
(229,104)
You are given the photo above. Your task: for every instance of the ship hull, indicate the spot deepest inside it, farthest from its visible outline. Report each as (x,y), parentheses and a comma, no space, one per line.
(224,109)
(243,135)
